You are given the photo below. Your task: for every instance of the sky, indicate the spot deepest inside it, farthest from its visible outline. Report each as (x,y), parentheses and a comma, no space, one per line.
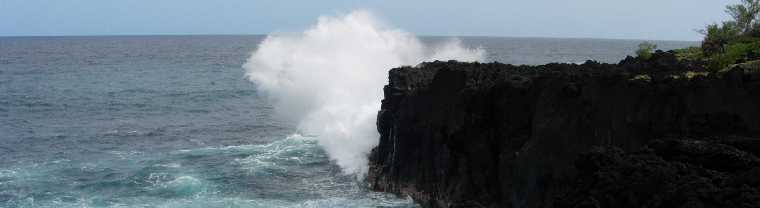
(618,19)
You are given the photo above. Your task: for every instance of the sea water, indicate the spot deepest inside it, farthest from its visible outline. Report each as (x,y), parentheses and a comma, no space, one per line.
(171,121)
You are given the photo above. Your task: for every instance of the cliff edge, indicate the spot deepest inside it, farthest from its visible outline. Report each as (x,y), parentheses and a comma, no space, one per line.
(494,135)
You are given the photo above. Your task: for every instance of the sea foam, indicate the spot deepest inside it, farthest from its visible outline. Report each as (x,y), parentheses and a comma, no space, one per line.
(329,78)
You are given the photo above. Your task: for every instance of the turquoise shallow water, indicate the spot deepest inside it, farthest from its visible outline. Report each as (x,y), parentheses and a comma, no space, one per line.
(292,172)
(170,121)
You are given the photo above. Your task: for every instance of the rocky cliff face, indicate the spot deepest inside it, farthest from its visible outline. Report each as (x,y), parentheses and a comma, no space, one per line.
(494,135)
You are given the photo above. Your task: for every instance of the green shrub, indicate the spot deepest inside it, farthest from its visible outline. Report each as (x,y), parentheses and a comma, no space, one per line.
(717,36)
(645,50)
(689,54)
(734,53)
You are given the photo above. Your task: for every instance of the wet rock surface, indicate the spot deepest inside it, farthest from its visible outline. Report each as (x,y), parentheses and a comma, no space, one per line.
(494,135)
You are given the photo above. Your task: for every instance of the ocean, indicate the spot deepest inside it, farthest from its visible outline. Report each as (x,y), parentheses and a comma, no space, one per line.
(172,121)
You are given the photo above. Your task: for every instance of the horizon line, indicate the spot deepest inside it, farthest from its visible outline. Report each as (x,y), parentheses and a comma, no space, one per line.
(418,35)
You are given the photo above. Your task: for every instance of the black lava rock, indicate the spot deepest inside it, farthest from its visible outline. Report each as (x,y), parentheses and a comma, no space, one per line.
(494,135)
(677,173)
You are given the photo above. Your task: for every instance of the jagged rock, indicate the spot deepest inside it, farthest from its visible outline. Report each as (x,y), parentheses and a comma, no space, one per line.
(493,135)
(660,62)
(713,156)
(678,173)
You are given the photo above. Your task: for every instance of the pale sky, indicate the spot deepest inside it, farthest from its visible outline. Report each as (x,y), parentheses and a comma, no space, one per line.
(626,19)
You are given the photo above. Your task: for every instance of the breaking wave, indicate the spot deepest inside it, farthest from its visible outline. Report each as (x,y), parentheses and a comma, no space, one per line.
(329,78)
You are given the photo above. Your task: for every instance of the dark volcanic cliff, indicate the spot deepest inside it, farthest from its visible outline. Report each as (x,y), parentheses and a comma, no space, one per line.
(493,135)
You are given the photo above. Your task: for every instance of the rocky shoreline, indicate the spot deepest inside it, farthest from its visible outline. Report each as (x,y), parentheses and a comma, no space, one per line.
(494,135)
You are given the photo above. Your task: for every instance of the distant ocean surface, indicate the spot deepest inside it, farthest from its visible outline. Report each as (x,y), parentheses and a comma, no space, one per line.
(170,121)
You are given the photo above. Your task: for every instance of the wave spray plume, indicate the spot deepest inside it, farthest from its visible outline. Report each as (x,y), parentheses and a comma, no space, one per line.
(329,79)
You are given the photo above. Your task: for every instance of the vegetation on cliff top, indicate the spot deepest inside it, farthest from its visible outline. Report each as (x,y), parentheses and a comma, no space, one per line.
(732,42)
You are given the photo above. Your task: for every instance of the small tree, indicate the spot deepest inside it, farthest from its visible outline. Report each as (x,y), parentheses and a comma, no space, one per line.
(746,22)
(745,15)
(717,36)
(645,50)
